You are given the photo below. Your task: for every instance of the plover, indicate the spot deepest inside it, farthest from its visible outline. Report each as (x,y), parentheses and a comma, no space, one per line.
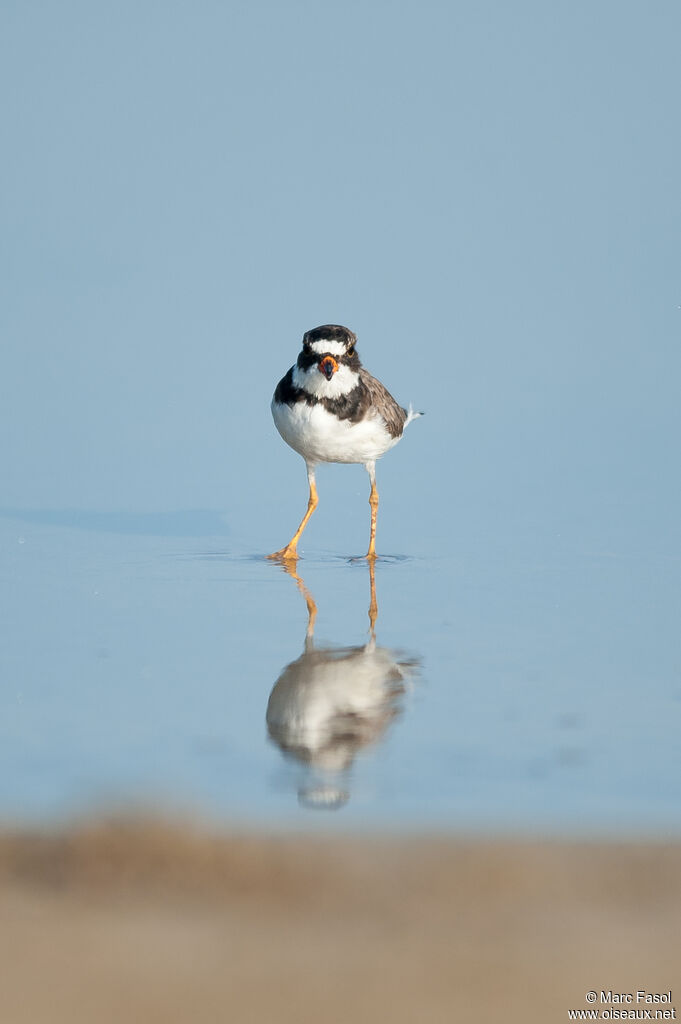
(328,408)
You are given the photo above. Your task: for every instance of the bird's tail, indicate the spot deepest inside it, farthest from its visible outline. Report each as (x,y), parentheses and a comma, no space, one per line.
(411,415)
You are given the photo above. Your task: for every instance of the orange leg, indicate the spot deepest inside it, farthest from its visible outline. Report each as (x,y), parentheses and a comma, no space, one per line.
(373,502)
(290,552)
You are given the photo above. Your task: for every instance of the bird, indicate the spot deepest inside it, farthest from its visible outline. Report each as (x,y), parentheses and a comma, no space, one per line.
(329,408)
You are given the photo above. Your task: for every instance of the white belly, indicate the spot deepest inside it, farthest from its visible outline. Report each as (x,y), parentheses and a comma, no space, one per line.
(319,436)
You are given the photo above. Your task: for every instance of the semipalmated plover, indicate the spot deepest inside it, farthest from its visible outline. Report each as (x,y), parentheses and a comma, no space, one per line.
(328,408)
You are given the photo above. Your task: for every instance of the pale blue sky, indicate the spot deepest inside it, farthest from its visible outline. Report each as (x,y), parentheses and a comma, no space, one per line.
(487,193)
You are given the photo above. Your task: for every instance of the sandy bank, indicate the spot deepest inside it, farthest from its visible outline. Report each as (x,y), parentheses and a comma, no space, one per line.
(154,923)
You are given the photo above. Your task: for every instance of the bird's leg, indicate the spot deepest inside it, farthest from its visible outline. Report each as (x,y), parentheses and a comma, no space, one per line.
(290,552)
(373,502)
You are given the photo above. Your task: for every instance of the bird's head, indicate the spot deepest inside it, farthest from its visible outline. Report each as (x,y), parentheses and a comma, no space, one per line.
(328,348)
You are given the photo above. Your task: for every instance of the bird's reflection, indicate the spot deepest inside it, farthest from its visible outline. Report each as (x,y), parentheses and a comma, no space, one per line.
(333,702)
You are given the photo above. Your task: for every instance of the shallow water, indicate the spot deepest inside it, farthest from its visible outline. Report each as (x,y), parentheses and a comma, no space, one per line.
(530,689)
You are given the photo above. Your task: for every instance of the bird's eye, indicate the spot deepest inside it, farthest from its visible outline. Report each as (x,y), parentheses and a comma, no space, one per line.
(351,350)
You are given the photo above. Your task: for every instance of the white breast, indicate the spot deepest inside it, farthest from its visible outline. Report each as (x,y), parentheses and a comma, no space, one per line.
(319,436)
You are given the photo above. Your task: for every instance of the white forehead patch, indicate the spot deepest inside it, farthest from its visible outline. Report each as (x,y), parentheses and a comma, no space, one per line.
(315,383)
(334,348)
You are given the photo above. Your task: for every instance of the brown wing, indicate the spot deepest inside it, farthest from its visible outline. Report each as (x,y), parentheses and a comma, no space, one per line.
(384,404)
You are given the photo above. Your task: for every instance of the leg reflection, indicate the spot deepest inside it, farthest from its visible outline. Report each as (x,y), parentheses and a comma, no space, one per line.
(291,570)
(333,702)
(373,604)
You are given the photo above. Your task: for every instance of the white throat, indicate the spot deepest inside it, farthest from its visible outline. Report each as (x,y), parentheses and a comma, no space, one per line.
(315,383)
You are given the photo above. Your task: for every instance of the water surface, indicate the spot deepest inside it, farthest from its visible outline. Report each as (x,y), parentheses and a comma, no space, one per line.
(532,691)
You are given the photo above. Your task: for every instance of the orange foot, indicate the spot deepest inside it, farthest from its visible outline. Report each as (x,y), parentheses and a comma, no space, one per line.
(287,554)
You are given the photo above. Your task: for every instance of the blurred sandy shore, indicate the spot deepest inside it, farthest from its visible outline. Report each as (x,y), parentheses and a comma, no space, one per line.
(147,922)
